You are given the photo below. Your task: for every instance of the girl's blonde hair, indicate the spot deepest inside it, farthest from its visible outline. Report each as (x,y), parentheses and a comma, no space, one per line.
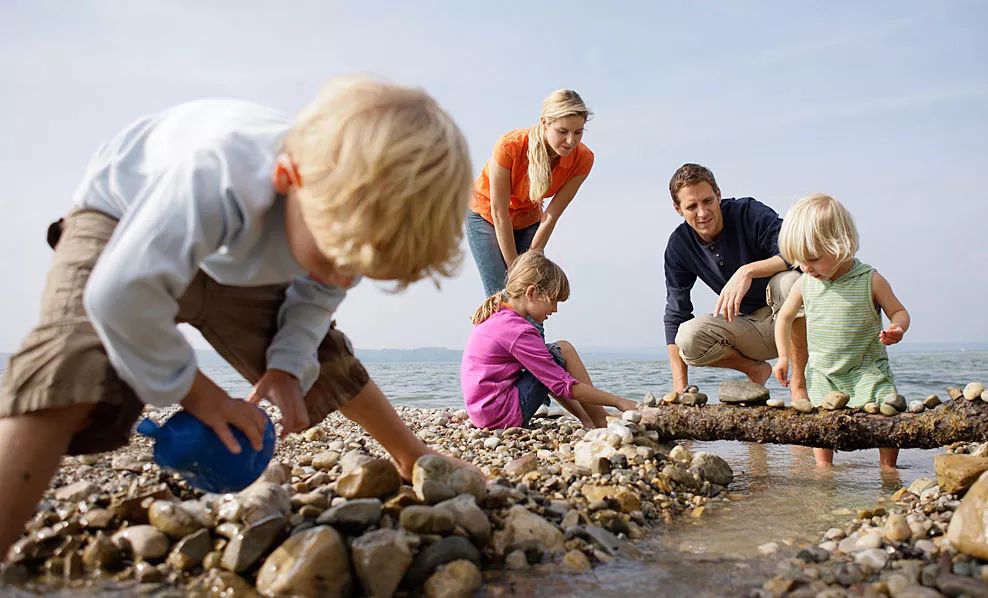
(560,104)
(816,225)
(385,179)
(530,268)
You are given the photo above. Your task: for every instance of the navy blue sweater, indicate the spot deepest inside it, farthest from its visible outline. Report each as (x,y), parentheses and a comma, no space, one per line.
(750,234)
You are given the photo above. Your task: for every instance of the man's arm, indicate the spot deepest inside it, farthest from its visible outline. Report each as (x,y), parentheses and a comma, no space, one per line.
(729,301)
(680,371)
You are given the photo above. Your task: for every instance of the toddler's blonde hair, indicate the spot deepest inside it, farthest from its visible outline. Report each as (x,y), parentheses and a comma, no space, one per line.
(560,104)
(530,268)
(815,225)
(385,179)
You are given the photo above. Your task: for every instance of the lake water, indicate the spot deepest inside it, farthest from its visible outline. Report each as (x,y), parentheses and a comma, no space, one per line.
(785,497)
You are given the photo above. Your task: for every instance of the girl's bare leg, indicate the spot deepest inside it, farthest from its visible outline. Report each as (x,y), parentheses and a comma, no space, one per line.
(576,368)
(824,457)
(31,447)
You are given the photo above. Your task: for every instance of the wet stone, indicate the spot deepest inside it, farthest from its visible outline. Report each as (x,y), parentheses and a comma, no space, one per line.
(101,553)
(143,541)
(470,517)
(374,479)
(522,465)
(649,400)
(973,391)
(931,401)
(189,552)
(916,407)
(247,547)
(516,561)
(835,399)
(171,519)
(314,562)
(742,391)
(776,403)
(671,398)
(436,479)
(457,579)
(693,399)
(872,408)
(954,393)
(353,516)
(575,561)
(96,519)
(423,519)
(888,410)
(326,460)
(444,551)
(813,554)
(76,492)
(898,402)
(381,558)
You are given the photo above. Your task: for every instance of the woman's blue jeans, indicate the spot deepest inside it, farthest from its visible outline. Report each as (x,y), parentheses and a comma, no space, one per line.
(487,253)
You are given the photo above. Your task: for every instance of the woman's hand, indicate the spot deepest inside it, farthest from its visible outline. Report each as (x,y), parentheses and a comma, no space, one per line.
(282,390)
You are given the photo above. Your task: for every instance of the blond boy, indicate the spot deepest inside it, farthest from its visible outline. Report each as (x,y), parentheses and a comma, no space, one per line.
(227,216)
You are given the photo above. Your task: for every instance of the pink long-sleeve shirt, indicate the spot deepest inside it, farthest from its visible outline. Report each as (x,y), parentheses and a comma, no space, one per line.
(496,353)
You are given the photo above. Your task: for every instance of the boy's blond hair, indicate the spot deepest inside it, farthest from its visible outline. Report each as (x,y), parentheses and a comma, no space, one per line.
(559,104)
(385,179)
(530,268)
(815,225)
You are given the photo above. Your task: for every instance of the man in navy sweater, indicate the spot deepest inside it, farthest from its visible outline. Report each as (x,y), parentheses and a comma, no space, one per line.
(732,246)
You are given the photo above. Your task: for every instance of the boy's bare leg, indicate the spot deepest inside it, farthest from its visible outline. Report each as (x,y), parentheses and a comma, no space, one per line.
(824,457)
(576,368)
(887,457)
(31,447)
(372,411)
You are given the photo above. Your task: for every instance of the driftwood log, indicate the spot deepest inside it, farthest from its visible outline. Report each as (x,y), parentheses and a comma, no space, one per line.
(846,430)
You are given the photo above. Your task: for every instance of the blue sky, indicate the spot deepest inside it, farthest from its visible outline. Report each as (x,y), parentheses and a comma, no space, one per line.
(881,104)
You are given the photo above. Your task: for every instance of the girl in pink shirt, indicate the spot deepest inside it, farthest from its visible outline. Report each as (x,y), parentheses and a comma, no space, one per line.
(508,371)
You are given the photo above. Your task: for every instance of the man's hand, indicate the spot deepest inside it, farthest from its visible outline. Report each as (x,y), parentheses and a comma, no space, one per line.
(212,406)
(781,371)
(891,335)
(282,390)
(729,301)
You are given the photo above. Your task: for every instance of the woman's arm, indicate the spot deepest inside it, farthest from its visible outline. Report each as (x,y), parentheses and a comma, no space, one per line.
(500,178)
(555,211)
(881,293)
(783,331)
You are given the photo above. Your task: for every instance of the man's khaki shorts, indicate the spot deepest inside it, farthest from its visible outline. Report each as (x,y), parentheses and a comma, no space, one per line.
(705,339)
(63,363)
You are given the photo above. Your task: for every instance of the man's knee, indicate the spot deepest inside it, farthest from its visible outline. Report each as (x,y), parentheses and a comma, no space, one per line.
(697,340)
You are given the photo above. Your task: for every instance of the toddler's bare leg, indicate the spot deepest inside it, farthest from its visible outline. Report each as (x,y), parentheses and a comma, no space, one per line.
(887,457)
(824,457)
(31,446)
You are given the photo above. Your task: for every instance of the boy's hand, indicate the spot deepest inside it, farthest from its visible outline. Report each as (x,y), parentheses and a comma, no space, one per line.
(891,335)
(212,406)
(781,371)
(282,390)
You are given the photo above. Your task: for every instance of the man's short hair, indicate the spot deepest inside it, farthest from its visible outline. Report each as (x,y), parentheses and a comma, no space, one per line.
(691,174)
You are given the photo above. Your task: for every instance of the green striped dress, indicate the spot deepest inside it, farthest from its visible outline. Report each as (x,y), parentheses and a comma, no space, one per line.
(842,326)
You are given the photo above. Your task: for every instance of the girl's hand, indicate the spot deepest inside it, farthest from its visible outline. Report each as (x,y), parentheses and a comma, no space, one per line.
(781,371)
(282,390)
(891,335)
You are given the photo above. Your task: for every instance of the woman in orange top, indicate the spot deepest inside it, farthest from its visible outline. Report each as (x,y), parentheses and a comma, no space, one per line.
(528,166)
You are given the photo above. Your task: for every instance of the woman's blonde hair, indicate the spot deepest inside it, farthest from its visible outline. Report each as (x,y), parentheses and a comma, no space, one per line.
(816,225)
(560,104)
(385,179)
(530,268)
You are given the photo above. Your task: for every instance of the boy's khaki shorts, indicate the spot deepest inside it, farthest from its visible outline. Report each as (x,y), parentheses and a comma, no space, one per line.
(63,363)
(703,340)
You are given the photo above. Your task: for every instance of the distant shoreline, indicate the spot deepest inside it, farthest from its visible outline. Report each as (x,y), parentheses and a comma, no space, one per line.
(593,354)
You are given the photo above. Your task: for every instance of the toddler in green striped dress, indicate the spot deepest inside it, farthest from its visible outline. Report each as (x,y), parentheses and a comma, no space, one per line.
(841,297)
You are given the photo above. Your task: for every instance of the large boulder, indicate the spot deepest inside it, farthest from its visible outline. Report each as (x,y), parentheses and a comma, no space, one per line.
(956,473)
(314,562)
(742,391)
(712,468)
(968,531)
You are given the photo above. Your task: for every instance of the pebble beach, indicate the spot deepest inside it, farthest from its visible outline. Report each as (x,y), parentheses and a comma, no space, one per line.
(331,516)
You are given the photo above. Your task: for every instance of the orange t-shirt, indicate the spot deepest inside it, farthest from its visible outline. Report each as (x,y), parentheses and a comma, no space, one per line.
(511,152)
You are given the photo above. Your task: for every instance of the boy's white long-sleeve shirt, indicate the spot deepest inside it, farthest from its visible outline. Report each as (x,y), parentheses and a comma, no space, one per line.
(192,189)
